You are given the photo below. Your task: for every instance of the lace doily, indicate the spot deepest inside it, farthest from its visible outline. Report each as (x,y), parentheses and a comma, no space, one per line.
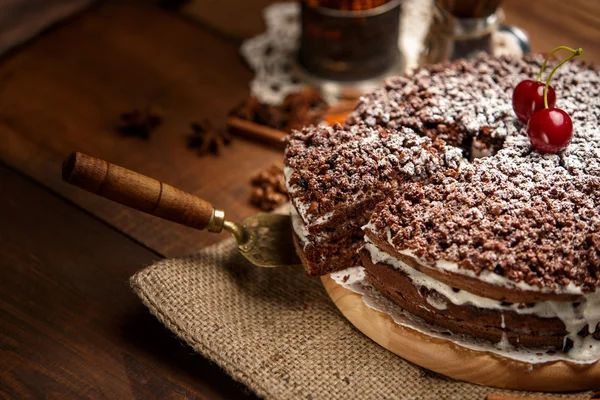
(272,54)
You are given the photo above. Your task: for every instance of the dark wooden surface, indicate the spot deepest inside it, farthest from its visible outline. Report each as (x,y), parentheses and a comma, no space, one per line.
(69,325)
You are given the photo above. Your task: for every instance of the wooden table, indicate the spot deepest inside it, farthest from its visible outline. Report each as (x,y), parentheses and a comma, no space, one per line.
(69,324)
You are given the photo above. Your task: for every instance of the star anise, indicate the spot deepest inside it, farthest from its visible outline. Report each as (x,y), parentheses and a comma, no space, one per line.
(206,138)
(139,122)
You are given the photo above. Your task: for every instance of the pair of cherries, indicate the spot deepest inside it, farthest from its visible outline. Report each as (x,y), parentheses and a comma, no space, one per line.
(549,129)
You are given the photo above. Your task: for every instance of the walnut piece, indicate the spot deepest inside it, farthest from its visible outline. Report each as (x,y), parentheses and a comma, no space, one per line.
(268,188)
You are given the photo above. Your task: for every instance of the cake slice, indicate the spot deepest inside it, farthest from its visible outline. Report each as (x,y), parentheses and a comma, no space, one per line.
(336,175)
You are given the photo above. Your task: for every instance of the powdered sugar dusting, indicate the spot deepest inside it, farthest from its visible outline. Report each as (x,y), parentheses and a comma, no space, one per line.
(334,166)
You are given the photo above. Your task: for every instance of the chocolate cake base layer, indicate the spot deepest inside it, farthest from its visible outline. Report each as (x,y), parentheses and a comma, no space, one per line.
(519,329)
(340,238)
(337,250)
(316,259)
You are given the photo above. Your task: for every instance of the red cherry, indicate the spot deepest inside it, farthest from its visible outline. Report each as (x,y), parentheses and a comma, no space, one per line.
(550,130)
(528,97)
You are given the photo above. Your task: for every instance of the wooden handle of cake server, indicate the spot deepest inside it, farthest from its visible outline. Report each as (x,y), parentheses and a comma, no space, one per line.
(140,192)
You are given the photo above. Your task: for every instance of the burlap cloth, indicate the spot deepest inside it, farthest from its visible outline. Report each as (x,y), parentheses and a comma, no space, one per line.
(277,331)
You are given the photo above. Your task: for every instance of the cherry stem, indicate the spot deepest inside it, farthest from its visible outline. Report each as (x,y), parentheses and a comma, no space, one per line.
(574,54)
(543,68)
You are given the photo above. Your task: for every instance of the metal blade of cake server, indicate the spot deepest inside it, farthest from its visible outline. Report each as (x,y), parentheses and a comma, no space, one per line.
(270,242)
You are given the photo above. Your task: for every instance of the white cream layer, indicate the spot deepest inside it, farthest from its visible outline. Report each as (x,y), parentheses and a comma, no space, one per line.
(354,279)
(298,226)
(574,318)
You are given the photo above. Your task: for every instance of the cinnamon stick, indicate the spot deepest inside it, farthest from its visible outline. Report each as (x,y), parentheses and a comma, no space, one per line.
(343,106)
(254,131)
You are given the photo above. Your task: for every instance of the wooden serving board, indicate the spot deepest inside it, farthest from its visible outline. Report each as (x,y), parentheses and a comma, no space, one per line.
(450,359)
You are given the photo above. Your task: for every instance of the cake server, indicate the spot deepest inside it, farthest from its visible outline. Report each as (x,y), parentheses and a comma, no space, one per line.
(264,239)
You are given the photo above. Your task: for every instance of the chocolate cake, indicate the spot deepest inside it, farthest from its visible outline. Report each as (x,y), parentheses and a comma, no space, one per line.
(432,185)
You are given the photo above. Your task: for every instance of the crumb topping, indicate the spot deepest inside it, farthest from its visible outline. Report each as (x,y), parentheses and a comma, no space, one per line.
(514,222)
(495,204)
(335,165)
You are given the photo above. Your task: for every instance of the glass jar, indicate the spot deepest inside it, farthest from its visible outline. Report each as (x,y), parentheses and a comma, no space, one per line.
(349,40)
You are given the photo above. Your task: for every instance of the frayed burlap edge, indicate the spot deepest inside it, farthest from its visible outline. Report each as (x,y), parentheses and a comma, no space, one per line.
(230,368)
